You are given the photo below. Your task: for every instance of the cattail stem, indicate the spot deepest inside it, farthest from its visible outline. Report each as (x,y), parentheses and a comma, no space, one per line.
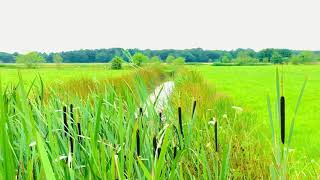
(194,108)
(138,142)
(65,121)
(216,135)
(180,121)
(283,118)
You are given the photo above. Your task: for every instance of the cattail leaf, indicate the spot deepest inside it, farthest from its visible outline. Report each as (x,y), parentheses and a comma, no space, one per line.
(144,169)
(225,163)
(296,111)
(44,159)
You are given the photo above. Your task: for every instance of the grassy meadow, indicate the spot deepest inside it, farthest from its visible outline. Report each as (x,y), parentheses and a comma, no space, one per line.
(53,73)
(250,85)
(85,121)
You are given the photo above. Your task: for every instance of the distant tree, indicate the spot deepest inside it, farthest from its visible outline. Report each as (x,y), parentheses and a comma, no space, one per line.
(179,61)
(170,59)
(139,58)
(102,57)
(155,59)
(225,59)
(243,57)
(57,58)
(30,59)
(296,59)
(116,63)
(307,56)
(276,58)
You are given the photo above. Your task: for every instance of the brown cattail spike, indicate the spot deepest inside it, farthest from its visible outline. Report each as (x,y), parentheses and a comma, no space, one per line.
(216,135)
(180,121)
(65,121)
(154,145)
(138,142)
(194,108)
(175,152)
(283,119)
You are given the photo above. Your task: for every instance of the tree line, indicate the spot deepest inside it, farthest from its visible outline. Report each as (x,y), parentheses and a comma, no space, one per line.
(190,55)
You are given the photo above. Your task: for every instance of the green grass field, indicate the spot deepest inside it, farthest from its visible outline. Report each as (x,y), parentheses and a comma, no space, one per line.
(51,73)
(250,85)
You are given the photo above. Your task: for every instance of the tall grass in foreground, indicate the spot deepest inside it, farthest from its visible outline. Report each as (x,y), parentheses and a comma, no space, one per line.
(281,147)
(96,137)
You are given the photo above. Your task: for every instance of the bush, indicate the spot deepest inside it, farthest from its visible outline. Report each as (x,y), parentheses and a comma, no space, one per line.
(139,58)
(116,63)
(179,61)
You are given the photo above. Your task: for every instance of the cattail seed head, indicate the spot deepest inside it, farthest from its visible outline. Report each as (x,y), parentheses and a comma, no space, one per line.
(138,142)
(283,119)
(174,151)
(71,114)
(194,108)
(65,121)
(154,145)
(180,121)
(216,135)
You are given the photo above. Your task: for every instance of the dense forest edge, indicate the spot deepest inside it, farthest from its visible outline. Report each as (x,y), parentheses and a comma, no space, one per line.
(190,55)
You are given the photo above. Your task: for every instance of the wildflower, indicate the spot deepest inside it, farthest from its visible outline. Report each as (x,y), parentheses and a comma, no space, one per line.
(32,144)
(213,122)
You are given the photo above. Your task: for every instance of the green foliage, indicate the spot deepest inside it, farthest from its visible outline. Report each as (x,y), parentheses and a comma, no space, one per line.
(276,58)
(57,58)
(116,63)
(30,59)
(170,59)
(244,58)
(225,59)
(179,61)
(139,58)
(303,57)
(155,59)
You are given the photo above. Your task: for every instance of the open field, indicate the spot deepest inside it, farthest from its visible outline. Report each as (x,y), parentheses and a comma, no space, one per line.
(250,85)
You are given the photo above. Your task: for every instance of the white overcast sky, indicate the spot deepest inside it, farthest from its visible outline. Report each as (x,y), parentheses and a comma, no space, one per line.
(59,25)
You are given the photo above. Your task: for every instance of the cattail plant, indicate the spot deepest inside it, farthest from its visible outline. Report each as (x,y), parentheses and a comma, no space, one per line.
(216,134)
(282,117)
(65,121)
(71,114)
(138,142)
(194,108)
(154,145)
(180,121)
(174,151)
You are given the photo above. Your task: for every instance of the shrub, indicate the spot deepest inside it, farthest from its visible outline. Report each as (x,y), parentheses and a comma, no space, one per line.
(116,63)
(179,61)
(139,58)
